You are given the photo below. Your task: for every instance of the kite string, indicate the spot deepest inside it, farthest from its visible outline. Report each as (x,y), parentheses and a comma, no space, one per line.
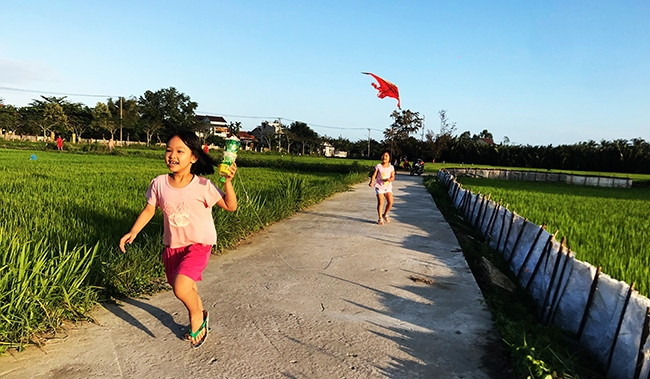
(273,242)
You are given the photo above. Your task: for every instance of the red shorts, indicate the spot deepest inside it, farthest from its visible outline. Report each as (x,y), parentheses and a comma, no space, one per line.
(187,260)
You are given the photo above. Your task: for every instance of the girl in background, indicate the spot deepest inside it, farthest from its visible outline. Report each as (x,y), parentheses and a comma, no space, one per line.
(383,177)
(186,201)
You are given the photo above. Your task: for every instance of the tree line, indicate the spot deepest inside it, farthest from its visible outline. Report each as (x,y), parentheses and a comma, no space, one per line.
(621,155)
(156,115)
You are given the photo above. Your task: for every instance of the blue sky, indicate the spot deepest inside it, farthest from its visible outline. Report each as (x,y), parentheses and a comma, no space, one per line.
(553,72)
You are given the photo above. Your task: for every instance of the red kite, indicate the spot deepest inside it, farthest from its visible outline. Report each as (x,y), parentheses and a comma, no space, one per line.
(385,88)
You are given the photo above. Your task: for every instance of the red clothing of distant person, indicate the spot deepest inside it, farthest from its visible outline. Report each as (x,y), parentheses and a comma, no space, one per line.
(59,143)
(206,148)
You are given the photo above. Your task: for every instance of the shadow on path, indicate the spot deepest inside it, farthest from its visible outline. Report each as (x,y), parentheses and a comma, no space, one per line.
(162,316)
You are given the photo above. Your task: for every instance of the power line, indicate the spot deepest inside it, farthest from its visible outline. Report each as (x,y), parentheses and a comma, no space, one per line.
(54,93)
(333,127)
(288,119)
(236,116)
(207,113)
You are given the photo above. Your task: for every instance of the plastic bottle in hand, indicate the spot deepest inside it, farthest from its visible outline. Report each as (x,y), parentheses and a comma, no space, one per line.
(229,156)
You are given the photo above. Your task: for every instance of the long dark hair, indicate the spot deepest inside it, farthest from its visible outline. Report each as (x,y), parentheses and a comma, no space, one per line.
(204,164)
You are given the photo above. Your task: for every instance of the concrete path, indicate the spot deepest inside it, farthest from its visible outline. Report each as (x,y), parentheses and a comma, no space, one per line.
(324,294)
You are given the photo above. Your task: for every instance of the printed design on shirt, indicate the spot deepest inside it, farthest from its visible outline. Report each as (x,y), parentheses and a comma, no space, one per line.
(385,175)
(178,216)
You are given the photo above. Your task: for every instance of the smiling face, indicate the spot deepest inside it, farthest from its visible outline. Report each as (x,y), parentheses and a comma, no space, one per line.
(385,158)
(179,157)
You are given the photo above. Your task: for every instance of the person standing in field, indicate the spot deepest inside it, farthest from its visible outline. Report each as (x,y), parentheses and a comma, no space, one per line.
(383,178)
(186,201)
(206,148)
(59,143)
(111,145)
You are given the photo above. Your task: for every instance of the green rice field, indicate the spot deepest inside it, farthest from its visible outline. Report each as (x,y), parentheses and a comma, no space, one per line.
(63,215)
(608,227)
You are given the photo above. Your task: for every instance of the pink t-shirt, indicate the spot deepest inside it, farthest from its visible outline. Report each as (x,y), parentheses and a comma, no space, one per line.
(187,211)
(383,173)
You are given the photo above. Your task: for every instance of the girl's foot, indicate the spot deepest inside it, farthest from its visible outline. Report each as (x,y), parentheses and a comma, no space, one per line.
(386,218)
(380,222)
(206,320)
(198,337)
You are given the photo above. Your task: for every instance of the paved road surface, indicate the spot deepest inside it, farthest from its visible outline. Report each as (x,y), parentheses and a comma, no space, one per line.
(324,294)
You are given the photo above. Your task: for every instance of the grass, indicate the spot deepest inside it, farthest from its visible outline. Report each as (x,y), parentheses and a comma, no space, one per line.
(42,286)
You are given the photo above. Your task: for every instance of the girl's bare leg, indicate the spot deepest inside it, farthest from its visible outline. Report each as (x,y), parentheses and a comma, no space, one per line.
(389,203)
(196,288)
(186,291)
(380,204)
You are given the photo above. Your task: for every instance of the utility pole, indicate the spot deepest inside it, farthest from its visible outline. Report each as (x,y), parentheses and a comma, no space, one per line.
(368,143)
(279,133)
(423,117)
(120,120)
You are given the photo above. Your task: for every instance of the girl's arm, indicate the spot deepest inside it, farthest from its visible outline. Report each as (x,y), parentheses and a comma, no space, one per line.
(372,179)
(143,219)
(229,200)
(392,176)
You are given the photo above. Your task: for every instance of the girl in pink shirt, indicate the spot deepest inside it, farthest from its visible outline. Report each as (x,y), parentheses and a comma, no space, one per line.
(186,201)
(383,177)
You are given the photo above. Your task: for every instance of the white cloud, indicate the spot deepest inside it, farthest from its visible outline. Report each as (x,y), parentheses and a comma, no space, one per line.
(21,73)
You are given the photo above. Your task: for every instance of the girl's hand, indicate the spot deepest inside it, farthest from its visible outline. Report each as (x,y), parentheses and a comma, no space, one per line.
(231,171)
(128,238)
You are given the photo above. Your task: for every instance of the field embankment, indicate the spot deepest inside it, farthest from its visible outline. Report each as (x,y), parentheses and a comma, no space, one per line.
(606,227)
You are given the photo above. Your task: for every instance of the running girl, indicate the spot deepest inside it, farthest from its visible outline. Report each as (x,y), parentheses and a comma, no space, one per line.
(186,201)
(383,177)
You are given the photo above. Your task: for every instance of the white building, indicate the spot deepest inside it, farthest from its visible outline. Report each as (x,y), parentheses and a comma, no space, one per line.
(213,126)
(329,151)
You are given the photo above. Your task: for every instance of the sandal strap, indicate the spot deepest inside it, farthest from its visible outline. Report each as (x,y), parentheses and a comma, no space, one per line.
(196,334)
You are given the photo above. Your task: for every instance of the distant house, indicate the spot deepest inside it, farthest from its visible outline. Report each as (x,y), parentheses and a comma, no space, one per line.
(327,149)
(246,140)
(485,141)
(212,126)
(265,132)
(330,151)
